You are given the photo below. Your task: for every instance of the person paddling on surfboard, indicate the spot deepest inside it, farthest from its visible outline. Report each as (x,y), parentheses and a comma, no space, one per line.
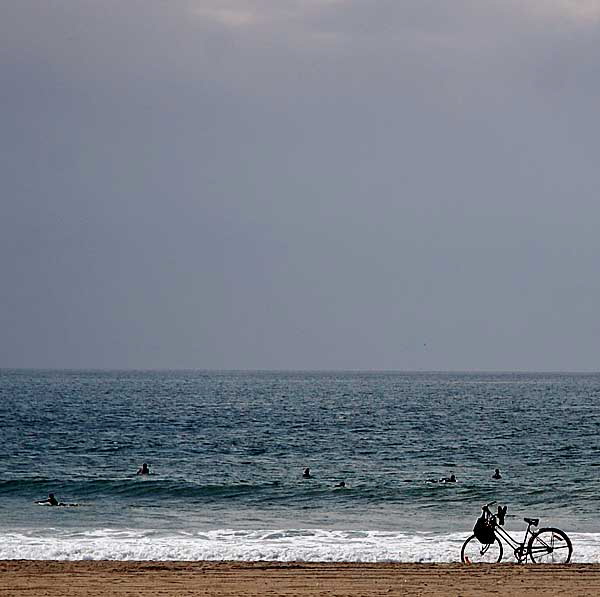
(50,500)
(450,479)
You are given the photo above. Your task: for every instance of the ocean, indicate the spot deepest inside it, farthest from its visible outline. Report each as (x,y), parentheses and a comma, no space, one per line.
(226,451)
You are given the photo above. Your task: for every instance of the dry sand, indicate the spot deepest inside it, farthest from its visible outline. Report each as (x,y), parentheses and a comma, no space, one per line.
(52,578)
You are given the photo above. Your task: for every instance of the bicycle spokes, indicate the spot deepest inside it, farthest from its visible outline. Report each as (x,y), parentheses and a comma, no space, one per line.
(550,546)
(474,552)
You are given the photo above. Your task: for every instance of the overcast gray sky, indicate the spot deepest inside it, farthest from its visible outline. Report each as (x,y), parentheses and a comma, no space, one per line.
(311,184)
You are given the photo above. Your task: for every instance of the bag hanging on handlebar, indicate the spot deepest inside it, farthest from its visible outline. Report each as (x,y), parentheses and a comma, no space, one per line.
(484,530)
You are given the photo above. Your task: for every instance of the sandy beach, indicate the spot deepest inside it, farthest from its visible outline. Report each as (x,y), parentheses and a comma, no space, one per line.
(91,578)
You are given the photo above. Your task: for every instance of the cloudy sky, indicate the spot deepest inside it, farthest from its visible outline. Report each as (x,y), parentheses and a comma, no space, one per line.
(305,184)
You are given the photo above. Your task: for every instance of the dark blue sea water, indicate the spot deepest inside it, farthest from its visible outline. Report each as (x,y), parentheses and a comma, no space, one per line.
(227,450)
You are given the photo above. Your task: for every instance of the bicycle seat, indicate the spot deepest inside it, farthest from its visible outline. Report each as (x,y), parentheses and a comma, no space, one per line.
(532,521)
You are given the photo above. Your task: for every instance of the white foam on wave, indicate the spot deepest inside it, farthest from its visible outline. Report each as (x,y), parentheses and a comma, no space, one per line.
(306,545)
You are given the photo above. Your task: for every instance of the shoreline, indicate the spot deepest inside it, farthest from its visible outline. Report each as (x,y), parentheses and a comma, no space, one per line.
(228,578)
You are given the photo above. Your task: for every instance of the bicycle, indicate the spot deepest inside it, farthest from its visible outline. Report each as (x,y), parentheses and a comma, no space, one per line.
(547,545)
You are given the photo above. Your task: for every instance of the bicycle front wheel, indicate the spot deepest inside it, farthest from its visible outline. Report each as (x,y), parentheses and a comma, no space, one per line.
(473,552)
(550,546)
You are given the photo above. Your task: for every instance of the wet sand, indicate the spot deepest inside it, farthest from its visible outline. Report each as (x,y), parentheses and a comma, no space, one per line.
(54,578)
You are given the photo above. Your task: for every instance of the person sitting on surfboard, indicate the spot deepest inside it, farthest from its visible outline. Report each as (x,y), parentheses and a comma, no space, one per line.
(144,470)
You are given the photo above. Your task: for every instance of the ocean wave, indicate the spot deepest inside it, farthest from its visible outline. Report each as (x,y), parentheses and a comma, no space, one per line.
(307,545)
(416,493)
(138,487)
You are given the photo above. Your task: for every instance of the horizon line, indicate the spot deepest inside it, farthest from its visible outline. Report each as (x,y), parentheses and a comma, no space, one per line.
(292,370)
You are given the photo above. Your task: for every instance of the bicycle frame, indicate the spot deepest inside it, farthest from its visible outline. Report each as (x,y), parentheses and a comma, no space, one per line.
(519,549)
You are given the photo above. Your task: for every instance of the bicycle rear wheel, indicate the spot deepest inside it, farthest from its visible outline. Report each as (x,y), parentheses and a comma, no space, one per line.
(473,552)
(550,546)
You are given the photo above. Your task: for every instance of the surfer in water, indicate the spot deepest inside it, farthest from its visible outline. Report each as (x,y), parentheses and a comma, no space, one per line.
(497,474)
(306,474)
(144,470)
(450,479)
(50,500)
(341,484)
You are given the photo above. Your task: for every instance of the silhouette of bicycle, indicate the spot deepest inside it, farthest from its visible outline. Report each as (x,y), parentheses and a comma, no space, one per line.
(546,545)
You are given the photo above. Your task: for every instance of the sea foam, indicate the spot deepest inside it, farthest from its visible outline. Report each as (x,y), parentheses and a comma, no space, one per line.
(308,545)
